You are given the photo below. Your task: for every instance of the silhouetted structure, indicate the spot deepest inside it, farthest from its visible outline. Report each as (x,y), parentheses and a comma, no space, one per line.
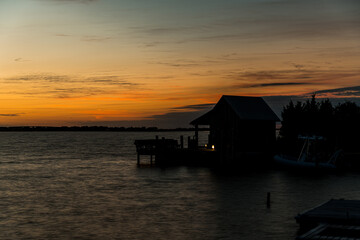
(240,127)
(155,148)
(335,219)
(339,125)
(167,152)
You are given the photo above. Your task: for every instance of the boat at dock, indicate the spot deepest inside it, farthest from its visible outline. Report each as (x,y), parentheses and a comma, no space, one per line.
(291,162)
(308,158)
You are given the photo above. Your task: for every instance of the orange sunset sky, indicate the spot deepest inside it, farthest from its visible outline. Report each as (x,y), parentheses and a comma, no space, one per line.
(130,62)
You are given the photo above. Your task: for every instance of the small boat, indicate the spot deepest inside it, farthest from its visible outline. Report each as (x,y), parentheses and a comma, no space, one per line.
(306,159)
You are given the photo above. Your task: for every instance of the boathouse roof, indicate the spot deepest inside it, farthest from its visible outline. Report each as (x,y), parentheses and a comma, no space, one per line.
(246,108)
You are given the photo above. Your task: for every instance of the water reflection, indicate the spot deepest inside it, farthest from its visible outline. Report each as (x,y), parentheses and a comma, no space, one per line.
(87,186)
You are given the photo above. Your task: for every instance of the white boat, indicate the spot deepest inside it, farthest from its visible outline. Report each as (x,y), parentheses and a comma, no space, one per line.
(307,159)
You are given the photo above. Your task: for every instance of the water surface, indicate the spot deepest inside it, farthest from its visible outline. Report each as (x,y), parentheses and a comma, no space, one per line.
(85,185)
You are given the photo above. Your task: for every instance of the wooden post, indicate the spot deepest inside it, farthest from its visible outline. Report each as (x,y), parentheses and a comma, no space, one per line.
(181,141)
(156,147)
(138,159)
(268,200)
(189,145)
(162,144)
(151,159)
(196,136)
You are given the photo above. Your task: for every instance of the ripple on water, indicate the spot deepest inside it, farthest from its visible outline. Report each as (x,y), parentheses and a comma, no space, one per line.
(85,185)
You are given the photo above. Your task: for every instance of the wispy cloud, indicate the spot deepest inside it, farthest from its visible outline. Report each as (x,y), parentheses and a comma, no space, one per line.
(180,63)
(72,1)
(62,35)
(39,78)
(20,60)
(85,38)
(10,115)
(95,39)
(174,119)
(290,77)
(279,74)
(277,84)
(66,92)
(342,92)
(195,107)
(53,78)
(179,116)
(263,21)
(166,30)
(110,80)
(67,86)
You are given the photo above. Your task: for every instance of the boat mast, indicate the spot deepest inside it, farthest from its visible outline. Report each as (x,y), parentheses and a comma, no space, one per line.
(302,150)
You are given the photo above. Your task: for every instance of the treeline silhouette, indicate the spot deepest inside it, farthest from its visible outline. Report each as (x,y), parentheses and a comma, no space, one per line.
(339,125)
(93,128)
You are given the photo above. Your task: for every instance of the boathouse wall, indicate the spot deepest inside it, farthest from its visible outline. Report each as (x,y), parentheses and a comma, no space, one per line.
(235,136)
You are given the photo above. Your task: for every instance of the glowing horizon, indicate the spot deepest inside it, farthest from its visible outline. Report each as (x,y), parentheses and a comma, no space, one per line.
(67,62)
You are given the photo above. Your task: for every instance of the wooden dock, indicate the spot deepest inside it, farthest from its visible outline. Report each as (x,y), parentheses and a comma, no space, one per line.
(335,219)
(334,211)
(332,232)
(164,152)
(154,148)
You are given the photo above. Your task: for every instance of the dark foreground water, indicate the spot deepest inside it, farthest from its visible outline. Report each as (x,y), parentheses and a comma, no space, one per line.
(85,185)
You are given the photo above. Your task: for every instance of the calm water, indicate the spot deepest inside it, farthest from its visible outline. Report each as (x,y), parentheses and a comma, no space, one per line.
(85,185)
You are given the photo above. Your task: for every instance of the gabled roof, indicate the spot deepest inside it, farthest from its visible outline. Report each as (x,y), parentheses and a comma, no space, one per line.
(246,108)
(250,108)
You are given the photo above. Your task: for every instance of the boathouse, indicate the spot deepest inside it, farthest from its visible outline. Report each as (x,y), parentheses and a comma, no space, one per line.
(240,128)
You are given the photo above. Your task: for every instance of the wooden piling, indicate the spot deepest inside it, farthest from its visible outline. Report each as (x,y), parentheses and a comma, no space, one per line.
(196,136)
(181,141)
(268,199)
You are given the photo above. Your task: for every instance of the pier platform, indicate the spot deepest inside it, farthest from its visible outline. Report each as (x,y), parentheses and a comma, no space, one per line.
(167,152)
(335,211)
(332,232)
(335,219)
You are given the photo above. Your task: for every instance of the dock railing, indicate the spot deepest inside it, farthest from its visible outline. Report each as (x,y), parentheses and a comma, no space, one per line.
(154,147)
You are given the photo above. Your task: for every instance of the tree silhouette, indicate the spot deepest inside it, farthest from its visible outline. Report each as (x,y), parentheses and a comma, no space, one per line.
(339,125)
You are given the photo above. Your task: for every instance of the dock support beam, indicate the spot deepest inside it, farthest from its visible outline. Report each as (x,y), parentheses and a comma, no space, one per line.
(138,159)
(196,136)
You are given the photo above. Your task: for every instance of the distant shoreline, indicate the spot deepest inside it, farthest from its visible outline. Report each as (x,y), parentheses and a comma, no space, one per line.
(94,129)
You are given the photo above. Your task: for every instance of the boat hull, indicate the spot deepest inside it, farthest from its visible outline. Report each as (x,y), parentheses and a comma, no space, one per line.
(285,161)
